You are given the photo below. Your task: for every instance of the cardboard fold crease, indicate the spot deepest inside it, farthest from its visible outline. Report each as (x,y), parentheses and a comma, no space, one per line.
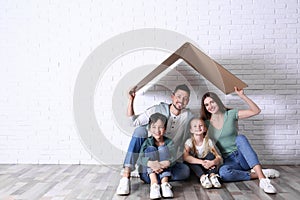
(203,64)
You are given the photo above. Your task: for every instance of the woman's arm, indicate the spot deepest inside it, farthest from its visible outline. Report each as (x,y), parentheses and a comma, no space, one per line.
(207,164)
(253,108)
(218,158)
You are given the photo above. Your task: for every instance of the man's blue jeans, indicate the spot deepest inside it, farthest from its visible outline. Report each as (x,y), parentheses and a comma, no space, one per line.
(179,171)
(237,165)
(140,134)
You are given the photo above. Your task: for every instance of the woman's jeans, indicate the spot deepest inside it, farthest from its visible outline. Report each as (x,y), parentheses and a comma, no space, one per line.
(199,170)
(237,164)
(179,171)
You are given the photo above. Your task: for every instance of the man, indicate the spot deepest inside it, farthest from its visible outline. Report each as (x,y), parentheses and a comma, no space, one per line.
(177,129)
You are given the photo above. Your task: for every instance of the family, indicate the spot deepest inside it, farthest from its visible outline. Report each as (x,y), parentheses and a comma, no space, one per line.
(179,142)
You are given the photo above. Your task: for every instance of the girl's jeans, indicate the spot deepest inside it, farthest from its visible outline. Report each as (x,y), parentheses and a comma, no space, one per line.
(199,170)
(237,164)
(179,171)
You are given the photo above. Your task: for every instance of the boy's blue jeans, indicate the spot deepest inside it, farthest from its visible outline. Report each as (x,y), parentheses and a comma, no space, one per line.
(179,171)
(237,164)
(160,153)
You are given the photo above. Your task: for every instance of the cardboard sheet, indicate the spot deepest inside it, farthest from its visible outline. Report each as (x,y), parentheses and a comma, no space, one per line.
(207,67)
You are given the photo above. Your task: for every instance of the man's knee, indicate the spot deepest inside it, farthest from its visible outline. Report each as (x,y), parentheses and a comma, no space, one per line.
(140,132)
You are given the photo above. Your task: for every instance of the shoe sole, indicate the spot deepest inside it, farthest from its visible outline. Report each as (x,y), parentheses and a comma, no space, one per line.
(155,197)
(123,194)
(167,196)
(270,192)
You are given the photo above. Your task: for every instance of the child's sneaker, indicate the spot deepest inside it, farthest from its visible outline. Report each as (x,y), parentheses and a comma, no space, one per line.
(166,190)
(266,185)
(124,186)
(155,191)
(215,181)
(205,182)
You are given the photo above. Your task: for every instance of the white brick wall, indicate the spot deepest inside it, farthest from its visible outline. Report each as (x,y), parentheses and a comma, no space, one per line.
(43,45)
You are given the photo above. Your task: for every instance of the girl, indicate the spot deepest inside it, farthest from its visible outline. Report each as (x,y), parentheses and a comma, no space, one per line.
(201,155)
(237,153)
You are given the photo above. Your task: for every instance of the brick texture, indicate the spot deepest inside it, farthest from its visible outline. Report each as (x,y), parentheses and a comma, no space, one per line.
(44,44)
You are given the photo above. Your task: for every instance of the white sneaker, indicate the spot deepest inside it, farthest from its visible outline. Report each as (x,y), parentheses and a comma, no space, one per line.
(266,185)
(205,182)
(271,173)
(166,190)
(155,191)
(215,181)
(124,186)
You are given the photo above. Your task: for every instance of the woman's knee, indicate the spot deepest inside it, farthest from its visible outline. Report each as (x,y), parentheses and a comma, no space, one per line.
(241,138)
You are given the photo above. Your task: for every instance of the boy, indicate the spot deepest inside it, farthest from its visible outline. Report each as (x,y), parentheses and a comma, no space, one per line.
(156,158)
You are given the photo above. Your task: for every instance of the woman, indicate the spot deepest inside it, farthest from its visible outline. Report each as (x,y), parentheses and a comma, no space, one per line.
(238,156)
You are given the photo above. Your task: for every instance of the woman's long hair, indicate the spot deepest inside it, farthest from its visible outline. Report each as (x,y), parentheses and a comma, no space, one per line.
(205,115)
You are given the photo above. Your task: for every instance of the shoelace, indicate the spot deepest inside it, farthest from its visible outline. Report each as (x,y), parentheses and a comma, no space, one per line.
(168,185)
(215,176)
(205,179)
(268,184)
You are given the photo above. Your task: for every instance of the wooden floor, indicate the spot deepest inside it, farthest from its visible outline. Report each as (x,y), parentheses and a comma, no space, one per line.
(55,182)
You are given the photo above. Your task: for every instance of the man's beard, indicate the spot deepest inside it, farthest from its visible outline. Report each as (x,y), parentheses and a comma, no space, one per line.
(179,109)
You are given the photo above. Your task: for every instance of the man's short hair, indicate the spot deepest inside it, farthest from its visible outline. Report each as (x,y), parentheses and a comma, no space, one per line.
(183,87)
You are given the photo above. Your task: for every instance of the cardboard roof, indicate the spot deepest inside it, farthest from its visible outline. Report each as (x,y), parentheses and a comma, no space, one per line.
(207,67)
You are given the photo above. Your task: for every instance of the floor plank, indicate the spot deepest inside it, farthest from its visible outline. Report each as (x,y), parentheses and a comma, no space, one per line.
(88,182)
